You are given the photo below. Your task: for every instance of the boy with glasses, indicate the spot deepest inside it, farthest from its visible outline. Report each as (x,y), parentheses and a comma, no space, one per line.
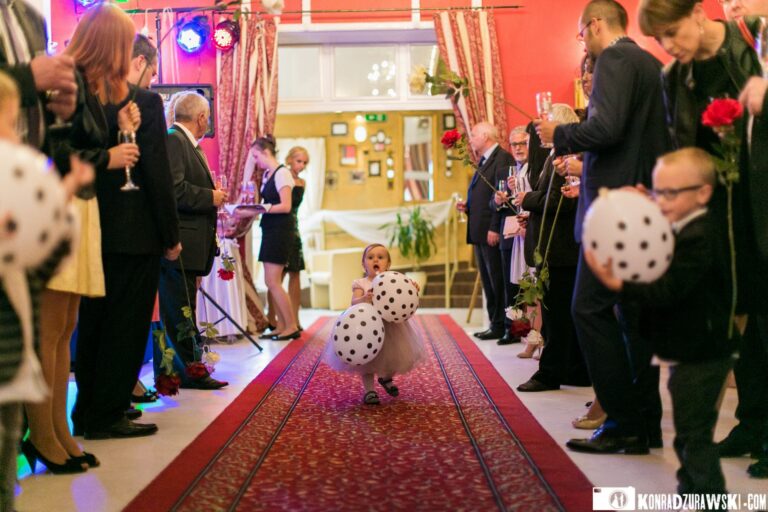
(685,316)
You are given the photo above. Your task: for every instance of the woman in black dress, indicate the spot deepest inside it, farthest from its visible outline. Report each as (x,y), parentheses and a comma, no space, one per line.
(277,228)
(296,160)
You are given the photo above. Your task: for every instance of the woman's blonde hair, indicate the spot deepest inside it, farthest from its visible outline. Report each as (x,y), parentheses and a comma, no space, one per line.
(102,47)
(9,91)
(653,14)
(295,150)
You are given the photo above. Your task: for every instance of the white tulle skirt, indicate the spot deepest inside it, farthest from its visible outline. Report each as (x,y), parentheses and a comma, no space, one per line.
(401,351)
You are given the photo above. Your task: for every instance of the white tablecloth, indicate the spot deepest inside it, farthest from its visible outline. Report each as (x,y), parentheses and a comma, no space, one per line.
(230,295)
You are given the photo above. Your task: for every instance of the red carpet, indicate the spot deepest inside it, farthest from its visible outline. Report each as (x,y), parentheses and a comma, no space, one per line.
(298,437)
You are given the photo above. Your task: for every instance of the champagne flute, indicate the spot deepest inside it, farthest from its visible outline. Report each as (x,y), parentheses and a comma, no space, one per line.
(128,138)
(462,216)
(762,49)
(544,109)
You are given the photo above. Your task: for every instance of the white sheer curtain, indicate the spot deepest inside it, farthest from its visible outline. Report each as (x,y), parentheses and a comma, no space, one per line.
(314,175)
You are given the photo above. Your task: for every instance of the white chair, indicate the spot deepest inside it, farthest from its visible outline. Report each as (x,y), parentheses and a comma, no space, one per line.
(331,275)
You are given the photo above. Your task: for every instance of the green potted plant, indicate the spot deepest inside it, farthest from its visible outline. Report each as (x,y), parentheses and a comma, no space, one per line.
(414,235)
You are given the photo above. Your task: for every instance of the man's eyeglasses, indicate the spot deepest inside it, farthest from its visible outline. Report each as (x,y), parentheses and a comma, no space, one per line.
(670,194)
(580,35)
(518,144)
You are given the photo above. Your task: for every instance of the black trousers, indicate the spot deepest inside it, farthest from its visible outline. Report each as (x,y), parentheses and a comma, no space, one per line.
(618,359)
(112,337)
(510,288)
(488,261)
(561,360)
(751,372)
(174,287)
(695,388)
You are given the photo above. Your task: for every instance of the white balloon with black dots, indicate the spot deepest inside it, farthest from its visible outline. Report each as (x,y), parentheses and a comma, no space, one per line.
(358,335)
(395,296)
(629,228)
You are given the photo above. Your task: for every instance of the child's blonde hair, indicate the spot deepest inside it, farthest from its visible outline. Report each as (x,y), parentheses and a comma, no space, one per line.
(9,91)
(697,158)
(373,246)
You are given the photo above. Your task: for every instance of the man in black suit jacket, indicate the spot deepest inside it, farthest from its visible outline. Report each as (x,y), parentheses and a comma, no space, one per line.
(137,229)
(197,199)
(518,144)
(624,133)
(483,221)
(43,81)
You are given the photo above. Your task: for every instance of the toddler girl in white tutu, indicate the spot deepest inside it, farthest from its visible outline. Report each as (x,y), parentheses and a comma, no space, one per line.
(401,349)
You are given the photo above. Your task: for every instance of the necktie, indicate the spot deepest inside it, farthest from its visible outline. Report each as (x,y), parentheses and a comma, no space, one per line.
(481,162)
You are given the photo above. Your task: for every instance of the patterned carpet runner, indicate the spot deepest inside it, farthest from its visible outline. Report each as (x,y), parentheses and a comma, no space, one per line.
(299,438)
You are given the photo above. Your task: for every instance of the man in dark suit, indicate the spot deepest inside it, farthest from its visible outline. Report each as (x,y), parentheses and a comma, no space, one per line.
(623,135)
(137,228)
(518,144)
(483,222)
(197,199)
(43,81)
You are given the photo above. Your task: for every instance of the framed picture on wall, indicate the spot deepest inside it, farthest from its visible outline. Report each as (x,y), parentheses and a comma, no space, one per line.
(339,129)
(357,177)
(374,168)
(348,155)
(449,122)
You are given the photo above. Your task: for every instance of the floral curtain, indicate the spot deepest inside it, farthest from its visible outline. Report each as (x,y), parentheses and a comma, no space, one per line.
(468,45)
(247,96)
(246,109)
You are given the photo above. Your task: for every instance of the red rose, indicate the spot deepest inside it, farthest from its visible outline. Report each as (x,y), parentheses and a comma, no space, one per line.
(196,370)
(226,275)
(450,138)
(520,328)
(721,112)
(167,385)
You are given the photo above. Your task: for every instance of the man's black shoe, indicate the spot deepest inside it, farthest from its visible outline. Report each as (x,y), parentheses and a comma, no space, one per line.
(123,428)
(132,413)
(608,441)
(206,382)
(481,333)
(739,443)
(489,335)
(507,339)
(759,469)
(535,385)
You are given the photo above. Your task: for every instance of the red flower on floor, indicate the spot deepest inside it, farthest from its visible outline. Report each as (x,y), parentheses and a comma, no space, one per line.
(450,138)
(167,385)
(226,275)
(520,328)
(196,370)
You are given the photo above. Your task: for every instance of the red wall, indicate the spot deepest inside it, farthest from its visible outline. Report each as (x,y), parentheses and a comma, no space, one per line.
(538,47)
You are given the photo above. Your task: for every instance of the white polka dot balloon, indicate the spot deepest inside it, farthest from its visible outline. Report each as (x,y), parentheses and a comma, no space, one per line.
(33,209)
(629,228)
(358,334)
(395,296)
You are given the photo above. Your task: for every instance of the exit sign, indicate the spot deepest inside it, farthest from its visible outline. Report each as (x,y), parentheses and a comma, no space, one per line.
(376,118)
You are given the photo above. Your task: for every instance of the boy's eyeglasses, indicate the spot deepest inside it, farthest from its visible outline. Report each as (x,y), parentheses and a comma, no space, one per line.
(670,194)
(580,35)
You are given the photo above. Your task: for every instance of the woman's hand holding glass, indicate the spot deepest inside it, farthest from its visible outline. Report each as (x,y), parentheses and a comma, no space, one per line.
(129,118)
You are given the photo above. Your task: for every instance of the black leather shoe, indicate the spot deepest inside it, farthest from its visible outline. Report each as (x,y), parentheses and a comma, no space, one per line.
(481,333)
(266,336)
(206,382)
(132,413)
(490,335)
(739,443)
(535,385)
(285,337)
(507,339)
(759,469)
(608,441)
(123,428)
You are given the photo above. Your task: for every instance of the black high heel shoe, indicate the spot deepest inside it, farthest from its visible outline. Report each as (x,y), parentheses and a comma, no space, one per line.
(33,455)
(86,458)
